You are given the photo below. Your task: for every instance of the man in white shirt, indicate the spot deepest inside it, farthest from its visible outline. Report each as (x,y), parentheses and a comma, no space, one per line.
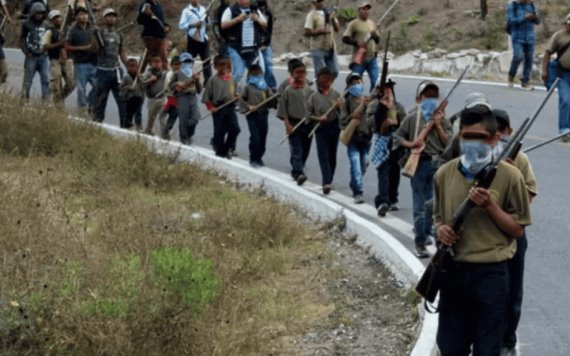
(194,21)
(243,34)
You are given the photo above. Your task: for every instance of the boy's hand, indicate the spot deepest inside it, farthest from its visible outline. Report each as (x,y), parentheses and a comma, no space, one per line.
(180,86)
(288,127)
(196,75)
(480,197)
(153,78)
(446,235)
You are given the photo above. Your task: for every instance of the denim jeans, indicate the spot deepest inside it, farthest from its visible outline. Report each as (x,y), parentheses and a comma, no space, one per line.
(188,116)
(324,58)
(258,125)
(422,192)
(358,158)
(326,138)
(514,302)
(32,65)
(85,73)
(522,51)
(107,81)
(300,147)
(371,67)
(267,54)
(564,102)
(239,63)
(226,129)
(472,308)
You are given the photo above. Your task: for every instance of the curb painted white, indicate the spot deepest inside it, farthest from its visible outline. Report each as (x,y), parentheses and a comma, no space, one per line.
(401,262)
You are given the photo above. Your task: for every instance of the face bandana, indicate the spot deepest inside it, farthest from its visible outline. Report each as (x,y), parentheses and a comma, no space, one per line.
(356,89)
(428,106)
(257,81)
(186,69)
(475,155)
(500,146)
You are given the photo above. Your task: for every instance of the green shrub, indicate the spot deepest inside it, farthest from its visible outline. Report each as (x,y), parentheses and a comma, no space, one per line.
(346,14)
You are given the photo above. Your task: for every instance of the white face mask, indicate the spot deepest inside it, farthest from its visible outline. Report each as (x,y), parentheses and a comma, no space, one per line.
(475,155)
(500,146)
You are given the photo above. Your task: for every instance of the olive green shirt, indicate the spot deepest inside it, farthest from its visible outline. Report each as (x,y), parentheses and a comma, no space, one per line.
(362,31)
(252,96)
(318,104)
(292,104)
(219,91)
(316,21)
(365,130)
(481,240)
(556,43)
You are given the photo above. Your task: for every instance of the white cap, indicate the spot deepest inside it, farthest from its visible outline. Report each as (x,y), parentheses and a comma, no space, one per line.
(475,99)
(53,14)
(108,12)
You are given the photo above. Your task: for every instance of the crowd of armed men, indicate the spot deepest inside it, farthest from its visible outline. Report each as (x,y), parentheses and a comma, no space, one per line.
(486,270)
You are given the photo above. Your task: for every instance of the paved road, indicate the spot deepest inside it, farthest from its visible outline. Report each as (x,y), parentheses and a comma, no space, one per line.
(544,326)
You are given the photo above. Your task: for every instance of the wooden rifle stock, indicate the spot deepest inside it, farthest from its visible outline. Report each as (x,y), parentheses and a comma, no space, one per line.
(348,131)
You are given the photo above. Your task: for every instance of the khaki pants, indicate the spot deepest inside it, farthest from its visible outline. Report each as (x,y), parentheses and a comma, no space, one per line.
(154,109)
(3,71)
(62,82)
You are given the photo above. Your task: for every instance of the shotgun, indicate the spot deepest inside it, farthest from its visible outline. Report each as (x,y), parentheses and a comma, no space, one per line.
(413,161)
(429,283)
(539,145)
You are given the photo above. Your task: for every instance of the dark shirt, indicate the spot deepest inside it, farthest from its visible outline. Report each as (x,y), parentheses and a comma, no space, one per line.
(152,26)
(108,56)
(31,37)
(77,36)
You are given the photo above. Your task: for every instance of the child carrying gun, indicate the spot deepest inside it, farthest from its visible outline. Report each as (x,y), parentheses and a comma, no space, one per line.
(132,92)
(221,90)
(169,112)
(292,110)
(325,104)
(186,86)
(154,80)
(255,93)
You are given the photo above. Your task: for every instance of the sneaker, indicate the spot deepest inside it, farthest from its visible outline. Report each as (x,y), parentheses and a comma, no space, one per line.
(327,189)
(511,82)
(566,138)
(527,87)
(358,199)
(234,153)
(301,179)
(508,351)
(383,209)
(421,251)
(394,207)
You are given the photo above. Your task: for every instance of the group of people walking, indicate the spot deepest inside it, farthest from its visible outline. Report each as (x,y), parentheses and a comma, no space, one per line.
(486,271)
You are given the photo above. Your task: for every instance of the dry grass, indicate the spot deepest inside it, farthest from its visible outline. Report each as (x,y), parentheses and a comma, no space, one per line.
(110,249)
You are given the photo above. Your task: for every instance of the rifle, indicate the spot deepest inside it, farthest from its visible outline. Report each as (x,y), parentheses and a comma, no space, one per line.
(429,283)
(293,130)
(550,140)
(260,105)
(92,20)
(387,12)
(220,108)
(348,131)
(413,161)
(124,27)
(196,35)
(66,19)
(139,70)
(326,114)
(384,76)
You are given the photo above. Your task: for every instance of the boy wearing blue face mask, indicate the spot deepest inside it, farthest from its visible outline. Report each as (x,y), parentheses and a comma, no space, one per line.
(424,117)
(474,289)
(255,92)
(354,110)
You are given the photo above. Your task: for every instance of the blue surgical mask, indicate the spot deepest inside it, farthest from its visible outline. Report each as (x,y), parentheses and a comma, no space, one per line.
(428,106)
(475,155)
(356,89)
(186,69)
(500,146)
(257,81)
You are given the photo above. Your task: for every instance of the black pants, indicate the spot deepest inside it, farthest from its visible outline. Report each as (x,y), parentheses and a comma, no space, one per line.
(133,110)
(202,49)
(389,179)
(226,130)
(472,304)
(514,303)
(300,147)
(258,127)
(327,145)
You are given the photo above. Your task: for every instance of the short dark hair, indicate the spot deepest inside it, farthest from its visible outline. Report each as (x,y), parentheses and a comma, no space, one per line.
(293,64)
(221,59)
(132,61)
(503,120)
(478,115)
(255,68)
(325,71)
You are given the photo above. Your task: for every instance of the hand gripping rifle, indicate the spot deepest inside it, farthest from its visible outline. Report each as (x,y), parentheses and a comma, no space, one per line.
(384,77)
(92,20)
(324,116)
(429,283)
(196,35)
(260,105)
(413,161)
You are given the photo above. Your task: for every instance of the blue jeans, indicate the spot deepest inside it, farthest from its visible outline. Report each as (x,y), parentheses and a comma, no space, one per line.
(514,303)
(522,51)
(371,67)
(327,145)
(108,81)
(32,65)
(267,54)
(258,125)
(324,59)
(422,192)
(564,102)
(85,73)
(239,63)
(472,308)
(358,158)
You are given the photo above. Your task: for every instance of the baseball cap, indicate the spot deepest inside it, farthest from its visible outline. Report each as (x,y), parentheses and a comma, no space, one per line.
(37,7)
(352,76)
(80,9)
(567,19)
(364,4)
(475,99)
(108,12)
(424,85)
(53,14)
(186,57)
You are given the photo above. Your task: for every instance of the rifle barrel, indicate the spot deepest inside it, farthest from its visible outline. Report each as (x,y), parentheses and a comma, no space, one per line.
(388,11)
(457,82)
(550,140)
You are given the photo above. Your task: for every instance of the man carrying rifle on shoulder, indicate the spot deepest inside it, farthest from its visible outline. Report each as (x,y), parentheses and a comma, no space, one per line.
(425,129)
(321,28)
(475,279)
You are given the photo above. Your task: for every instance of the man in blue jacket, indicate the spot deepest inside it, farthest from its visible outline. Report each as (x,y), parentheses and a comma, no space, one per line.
(522,17)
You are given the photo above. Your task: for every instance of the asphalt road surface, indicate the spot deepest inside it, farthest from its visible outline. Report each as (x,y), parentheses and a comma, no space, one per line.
(545,324)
